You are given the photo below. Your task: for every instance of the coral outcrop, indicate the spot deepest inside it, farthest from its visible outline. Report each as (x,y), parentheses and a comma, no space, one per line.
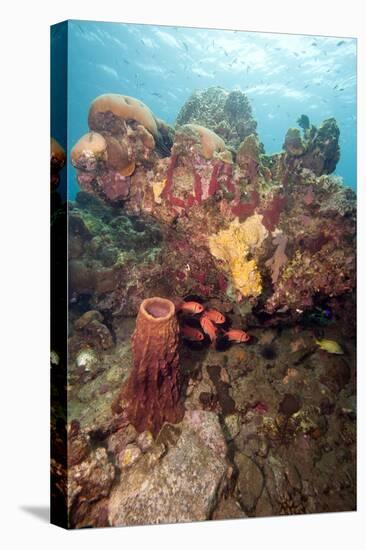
(103,164)
(228,114)
(112,257)
(152,394)
(111,111)
(318,148)
(89,151)
(248,156)
(124,135)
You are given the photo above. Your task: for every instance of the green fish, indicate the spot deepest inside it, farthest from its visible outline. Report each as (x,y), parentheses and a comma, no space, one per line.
(330,346)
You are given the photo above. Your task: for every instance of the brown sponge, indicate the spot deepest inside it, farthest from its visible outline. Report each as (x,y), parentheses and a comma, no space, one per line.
(151,395)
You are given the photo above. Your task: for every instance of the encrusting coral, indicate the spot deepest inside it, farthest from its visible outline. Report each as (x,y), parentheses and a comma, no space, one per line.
(233,245)
(152,393)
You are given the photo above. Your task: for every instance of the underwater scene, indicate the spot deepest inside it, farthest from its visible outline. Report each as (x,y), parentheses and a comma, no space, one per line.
(204,192)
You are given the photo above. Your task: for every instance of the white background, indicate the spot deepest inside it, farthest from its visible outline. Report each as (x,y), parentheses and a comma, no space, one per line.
(24,271)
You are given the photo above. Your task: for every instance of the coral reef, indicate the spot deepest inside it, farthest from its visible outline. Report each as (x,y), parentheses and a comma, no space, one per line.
(200,191)
(293,144)
(217,398)
(228,114)
(152,393)
(268,445)
(308,275)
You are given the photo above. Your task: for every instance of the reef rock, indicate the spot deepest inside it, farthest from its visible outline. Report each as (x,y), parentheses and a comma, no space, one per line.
(90,480)
(250,482)
(184,484)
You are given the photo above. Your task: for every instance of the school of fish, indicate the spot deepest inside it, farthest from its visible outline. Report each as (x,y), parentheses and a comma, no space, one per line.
(210,321)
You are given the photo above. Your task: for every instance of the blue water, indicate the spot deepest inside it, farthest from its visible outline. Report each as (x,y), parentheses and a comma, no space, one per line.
(283,76)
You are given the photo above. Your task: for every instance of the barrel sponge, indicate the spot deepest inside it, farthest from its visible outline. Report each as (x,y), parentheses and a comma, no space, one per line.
(152,394)
(90,148)
(210,142)
(125,107)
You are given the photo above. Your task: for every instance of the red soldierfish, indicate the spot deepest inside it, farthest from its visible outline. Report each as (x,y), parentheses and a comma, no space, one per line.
(191,333)
(190,307)
(237,335)
(208,328)
(215,316)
